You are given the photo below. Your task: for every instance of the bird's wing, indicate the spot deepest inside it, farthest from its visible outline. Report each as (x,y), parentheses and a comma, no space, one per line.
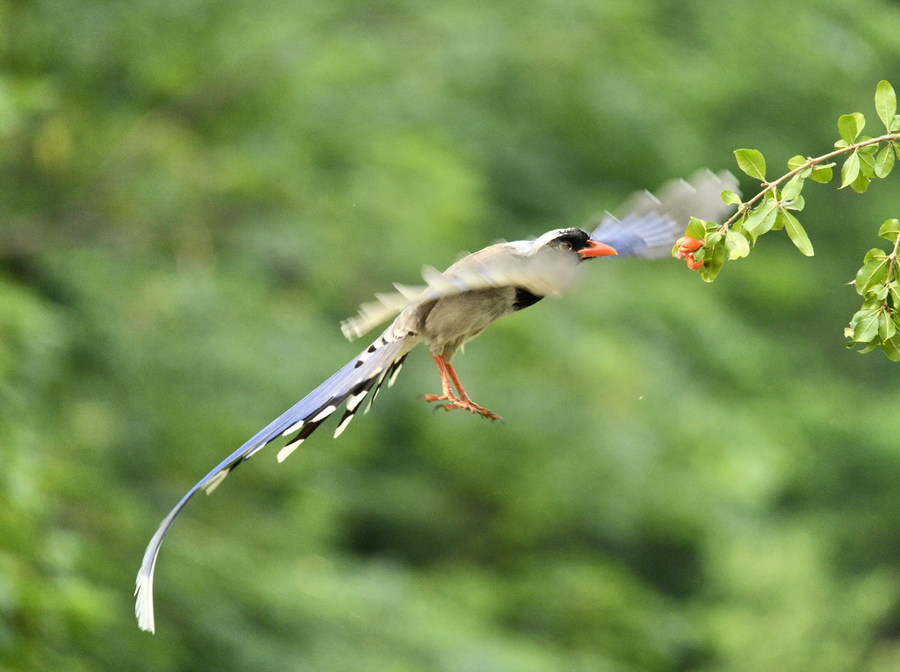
(550,272)
(360,377)
(648,224)
(648,228)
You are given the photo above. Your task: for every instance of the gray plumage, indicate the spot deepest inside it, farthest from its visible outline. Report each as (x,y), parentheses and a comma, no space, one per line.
(451,308)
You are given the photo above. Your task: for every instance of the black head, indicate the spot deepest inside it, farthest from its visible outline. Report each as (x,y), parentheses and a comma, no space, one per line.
(575,240)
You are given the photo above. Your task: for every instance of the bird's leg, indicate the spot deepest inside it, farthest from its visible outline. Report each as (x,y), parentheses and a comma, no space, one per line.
(447,394)
(448,374)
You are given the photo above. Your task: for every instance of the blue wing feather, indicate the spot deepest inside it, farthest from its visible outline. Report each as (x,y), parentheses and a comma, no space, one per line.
(650,225)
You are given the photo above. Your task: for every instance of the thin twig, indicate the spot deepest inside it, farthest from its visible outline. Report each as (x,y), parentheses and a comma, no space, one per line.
(771,186)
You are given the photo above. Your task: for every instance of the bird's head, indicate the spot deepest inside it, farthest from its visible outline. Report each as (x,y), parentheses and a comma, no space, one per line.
(575,241)
(549,264)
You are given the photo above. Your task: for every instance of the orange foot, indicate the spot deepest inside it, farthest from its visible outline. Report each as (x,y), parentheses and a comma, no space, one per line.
(454,403)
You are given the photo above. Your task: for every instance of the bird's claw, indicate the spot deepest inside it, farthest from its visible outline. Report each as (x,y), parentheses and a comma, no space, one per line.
(455,403)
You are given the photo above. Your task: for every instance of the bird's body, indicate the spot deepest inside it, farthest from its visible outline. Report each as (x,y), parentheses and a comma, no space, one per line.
(450,309)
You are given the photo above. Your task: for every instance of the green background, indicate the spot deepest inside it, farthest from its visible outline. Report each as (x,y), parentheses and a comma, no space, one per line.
(194,194)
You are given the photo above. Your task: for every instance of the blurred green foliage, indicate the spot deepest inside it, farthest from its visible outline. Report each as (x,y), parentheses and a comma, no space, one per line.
(193,194)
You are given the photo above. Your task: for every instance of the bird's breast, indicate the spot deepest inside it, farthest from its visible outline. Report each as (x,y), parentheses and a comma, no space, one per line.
(455,319)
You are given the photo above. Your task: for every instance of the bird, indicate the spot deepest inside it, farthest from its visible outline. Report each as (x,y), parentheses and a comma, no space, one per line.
(451,308)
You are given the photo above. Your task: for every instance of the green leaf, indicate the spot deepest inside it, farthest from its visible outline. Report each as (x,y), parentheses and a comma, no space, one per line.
(715,259)
(731,197)
(867,149)
(797,234)
(792,189)
(850,170)
(736,245)
(886,326)
(696,228)
(860,184)
(865,324)
(762,219)
(885,103)
(885,161)
(872,273)
(796,161)
(752,162)
(779,220)
(871,299)
(823,173)
(878,293)
(739,224)
(867,161)
(850,126)
(874,253)
(890,229)
(797,204)
(891,348)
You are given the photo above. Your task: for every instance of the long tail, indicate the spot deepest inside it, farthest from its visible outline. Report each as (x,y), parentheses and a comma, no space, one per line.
(350,385)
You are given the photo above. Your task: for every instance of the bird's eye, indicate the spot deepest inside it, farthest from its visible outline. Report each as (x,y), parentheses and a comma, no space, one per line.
(565,245)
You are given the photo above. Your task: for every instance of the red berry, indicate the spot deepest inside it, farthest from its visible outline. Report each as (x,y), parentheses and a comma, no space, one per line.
(686,244)
(691,263)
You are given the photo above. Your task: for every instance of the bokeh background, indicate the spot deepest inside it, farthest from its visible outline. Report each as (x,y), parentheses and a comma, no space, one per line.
(193,194)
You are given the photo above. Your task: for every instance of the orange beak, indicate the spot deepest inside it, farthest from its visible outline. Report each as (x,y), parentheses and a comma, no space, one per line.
(595,249)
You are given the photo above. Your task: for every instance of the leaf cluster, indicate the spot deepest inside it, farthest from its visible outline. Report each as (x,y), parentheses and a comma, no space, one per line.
(877,323)
(775,207)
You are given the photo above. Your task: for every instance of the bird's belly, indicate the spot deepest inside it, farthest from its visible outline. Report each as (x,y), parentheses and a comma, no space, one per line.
(458,318)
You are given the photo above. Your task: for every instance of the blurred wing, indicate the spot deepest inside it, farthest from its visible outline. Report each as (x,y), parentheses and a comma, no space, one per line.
(648,228)
(650,224)
(548,273)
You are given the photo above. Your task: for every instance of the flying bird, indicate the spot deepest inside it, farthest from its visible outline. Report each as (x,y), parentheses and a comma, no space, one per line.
(453,307)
